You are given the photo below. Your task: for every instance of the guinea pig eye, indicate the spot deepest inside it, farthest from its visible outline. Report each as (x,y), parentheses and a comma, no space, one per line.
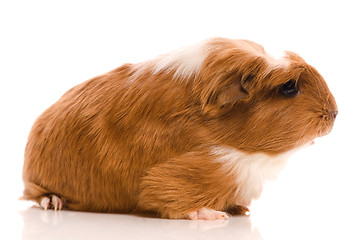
(289,89)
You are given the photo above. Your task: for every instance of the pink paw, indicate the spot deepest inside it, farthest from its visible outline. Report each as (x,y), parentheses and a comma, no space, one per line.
(207,214)
(51,201)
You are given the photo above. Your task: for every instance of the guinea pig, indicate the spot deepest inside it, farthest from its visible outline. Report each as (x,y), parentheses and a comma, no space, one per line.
(192,134)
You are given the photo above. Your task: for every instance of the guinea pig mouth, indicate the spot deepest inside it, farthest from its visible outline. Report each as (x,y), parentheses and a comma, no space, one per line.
(327,121)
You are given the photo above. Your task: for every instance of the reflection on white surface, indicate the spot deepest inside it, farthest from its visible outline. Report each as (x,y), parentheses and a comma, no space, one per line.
(273,219)
(40,224)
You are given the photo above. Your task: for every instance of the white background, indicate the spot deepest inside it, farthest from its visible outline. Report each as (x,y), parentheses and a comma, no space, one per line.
(46,47)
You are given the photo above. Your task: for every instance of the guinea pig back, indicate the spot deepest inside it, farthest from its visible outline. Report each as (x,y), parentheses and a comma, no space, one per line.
(190,134)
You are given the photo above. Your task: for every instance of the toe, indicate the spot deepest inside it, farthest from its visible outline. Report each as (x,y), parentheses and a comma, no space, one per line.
(193,215)
(220,215)
(56,202)
(45,202)
(207,214)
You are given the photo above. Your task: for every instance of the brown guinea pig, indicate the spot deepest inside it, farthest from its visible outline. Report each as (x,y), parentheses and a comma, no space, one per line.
(191,134)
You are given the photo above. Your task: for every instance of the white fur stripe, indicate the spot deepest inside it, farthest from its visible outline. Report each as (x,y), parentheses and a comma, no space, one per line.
(250,170)
(186,62)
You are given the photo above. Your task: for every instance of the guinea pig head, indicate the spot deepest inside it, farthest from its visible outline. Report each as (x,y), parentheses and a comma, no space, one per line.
(258,104)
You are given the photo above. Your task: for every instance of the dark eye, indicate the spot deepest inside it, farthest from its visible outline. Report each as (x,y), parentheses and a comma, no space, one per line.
(289,89)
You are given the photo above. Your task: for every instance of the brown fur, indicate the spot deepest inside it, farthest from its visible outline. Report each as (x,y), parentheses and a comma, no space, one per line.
(114,145)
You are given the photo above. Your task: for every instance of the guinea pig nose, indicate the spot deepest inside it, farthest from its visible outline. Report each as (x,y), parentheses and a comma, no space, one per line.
(333,114)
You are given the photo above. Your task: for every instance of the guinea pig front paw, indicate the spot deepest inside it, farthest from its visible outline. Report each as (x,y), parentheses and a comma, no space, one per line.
(52,201)
(207,214)
(238,210)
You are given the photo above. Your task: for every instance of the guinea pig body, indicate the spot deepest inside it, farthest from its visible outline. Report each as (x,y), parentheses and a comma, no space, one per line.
(191,134)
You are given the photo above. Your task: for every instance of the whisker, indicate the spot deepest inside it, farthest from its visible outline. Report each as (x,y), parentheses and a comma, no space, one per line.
(302,133)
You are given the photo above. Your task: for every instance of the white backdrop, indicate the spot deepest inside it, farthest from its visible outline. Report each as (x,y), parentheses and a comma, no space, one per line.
(46,47)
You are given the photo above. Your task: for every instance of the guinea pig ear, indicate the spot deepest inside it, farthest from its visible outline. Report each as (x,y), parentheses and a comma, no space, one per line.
(237,90)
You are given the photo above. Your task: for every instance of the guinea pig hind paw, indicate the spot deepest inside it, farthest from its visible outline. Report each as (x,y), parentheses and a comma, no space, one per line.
(52,201)
(207,214)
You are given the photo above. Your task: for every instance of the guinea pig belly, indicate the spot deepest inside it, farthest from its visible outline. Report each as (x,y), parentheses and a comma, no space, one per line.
(250,170)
